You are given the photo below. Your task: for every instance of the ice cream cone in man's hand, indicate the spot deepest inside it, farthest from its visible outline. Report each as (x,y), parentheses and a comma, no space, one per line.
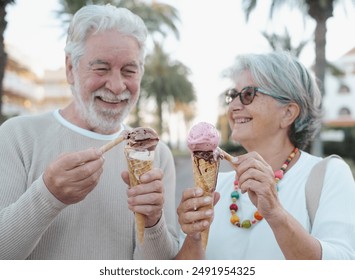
(139,152)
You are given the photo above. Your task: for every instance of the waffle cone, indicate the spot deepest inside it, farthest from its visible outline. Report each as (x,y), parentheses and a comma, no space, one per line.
(205,176)
(136,168)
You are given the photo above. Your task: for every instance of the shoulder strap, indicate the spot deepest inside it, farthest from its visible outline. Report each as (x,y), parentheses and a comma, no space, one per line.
(314,186)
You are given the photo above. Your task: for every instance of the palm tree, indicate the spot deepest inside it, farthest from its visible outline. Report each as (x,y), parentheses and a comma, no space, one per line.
(3,55)
(167,82)
(320,11)
(283,42)
(159,18)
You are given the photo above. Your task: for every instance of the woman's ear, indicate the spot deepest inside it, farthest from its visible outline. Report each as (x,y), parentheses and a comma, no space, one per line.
(69,70)
(291,112)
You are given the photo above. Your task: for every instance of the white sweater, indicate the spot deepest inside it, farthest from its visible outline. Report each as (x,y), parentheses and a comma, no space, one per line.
(35,225)
(334,224)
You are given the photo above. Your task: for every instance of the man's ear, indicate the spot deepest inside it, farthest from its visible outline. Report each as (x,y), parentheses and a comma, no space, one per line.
(69,70)
(291,112)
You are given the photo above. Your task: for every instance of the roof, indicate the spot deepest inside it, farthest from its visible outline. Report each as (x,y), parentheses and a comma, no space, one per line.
(350,53)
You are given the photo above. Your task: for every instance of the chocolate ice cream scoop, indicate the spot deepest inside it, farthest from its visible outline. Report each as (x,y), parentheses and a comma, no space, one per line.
(142,138)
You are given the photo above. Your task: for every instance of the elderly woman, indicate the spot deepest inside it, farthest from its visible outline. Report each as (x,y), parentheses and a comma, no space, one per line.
(260,210)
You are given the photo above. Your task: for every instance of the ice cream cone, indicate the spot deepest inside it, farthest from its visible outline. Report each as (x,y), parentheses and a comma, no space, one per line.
(203,141)
(139,162)
(139,152)
(205,171)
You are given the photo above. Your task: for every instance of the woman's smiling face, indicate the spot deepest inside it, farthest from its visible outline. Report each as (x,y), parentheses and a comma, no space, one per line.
(257,123)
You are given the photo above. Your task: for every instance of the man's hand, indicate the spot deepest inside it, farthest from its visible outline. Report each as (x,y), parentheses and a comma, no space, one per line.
(73,175)
(147,198)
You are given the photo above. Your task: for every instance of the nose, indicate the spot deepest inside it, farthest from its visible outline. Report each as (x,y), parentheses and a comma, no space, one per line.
(116,82)
(235,105)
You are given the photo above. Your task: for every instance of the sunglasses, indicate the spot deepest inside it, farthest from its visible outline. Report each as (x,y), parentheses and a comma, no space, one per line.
(247,95)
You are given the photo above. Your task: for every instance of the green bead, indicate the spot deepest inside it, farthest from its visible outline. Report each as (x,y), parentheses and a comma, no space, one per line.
(246,224)
(235,194)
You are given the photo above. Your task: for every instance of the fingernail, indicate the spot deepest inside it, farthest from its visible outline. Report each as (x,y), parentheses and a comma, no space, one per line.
(207,199)
(199,191)
(98,152)
(205,223)
(144,177)
(235,159)
(209,212)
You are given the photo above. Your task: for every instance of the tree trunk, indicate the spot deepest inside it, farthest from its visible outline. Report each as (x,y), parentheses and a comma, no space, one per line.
(160,114)
(321,63)
(320,11)
(319,69)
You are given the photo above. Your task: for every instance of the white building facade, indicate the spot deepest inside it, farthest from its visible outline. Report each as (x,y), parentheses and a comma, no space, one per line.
(339,100)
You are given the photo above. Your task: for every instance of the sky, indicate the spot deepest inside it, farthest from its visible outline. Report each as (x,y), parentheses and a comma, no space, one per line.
(211,35)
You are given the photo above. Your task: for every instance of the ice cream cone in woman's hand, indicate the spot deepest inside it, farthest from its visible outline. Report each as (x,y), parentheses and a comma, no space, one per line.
(202,141)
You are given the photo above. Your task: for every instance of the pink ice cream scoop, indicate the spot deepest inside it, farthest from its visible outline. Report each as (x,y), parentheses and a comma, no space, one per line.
(203,137)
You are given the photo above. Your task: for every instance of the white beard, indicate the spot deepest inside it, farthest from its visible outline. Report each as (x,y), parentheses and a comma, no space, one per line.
(103,120)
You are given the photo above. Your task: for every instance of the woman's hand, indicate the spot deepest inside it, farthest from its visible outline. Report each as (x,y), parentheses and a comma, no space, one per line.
(194,214)
(256,177)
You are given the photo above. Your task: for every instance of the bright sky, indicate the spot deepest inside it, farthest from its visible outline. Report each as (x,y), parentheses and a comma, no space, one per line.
(211,36)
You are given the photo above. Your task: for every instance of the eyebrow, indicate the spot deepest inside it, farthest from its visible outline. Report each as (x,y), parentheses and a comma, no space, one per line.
(98,61)
(133,64)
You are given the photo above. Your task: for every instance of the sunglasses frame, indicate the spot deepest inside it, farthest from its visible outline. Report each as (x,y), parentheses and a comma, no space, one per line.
(232,94)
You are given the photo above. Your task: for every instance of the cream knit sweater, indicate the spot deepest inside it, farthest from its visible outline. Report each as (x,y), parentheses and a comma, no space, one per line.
(35,225)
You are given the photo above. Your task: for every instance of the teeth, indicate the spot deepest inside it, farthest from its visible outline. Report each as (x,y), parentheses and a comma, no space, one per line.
(109,100)
(113,101)
(244,120)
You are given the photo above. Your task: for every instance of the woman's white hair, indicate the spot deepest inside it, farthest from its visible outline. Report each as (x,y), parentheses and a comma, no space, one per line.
(284,76)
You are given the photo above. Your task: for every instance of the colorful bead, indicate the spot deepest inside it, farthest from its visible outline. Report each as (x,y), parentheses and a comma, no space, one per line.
(257,216)
(246,224)
(235,194)
(233,207)
(279,174)
(235,220)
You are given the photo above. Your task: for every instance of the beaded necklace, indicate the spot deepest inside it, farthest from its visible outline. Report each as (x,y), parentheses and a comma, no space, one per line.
(235,220)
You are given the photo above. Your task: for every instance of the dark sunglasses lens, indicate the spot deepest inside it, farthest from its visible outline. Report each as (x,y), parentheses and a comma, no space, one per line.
(247,96)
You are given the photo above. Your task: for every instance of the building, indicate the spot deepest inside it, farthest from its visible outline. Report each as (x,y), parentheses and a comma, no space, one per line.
(27,92)
(339,100)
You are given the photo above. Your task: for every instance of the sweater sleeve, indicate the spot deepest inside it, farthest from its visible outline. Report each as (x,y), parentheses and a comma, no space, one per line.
(161,241)
(26,211)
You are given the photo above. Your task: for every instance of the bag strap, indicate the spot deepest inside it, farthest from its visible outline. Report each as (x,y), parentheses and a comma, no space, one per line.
(314,186)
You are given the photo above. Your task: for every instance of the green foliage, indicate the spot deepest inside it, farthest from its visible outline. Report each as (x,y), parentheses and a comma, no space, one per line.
(166,81)
(4,3)
(159,18)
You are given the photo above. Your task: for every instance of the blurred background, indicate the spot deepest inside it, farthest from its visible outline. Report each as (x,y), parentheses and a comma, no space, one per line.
(190,44)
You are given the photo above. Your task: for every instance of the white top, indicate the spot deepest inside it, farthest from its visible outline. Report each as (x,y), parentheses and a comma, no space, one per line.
(334,223)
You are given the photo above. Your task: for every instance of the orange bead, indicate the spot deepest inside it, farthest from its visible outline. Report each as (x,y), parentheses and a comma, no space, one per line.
(234,219)
(257,216)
